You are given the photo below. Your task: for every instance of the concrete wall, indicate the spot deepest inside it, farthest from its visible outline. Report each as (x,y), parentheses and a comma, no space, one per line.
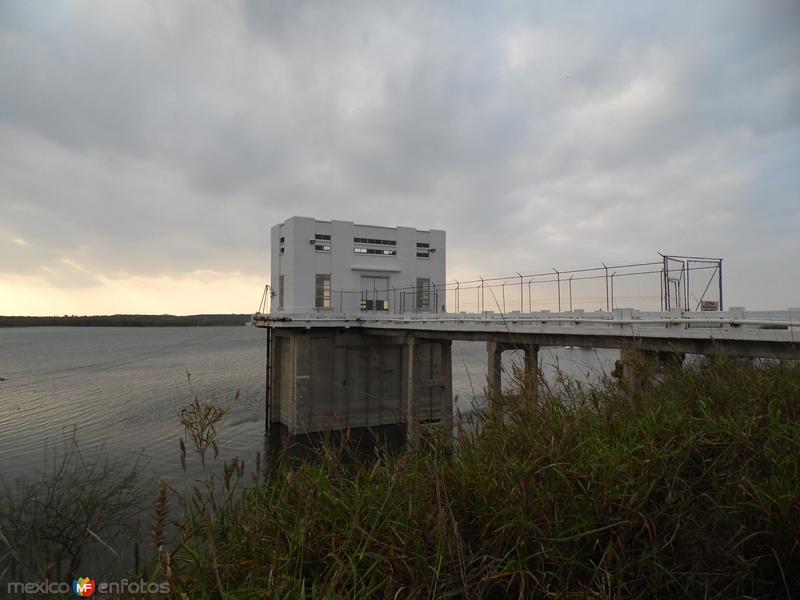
(333,380)
(300,262)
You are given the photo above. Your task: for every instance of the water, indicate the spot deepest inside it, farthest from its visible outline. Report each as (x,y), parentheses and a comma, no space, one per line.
(122,389)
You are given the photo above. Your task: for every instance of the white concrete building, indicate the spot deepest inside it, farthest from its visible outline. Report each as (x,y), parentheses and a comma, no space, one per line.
(340,266)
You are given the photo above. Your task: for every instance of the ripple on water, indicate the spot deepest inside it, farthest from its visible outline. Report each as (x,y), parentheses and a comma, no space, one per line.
(123,388)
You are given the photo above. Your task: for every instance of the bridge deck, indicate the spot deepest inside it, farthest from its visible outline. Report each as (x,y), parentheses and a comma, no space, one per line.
(769,334)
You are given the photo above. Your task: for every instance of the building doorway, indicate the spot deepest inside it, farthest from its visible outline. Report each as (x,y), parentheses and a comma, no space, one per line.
(374,293)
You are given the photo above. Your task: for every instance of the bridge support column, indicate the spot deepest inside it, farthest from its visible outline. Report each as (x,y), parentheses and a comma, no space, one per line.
(632,370)
(494,351)
(429,384)
(639,367)
(531,383)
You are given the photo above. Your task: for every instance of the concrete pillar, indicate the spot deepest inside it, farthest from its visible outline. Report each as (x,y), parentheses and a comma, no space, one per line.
(669,360)
(632,369)
(640,366)
(273,394)
(447,386)
(274,440)
(531,370)
(340,383)
(494,351)
(410,404)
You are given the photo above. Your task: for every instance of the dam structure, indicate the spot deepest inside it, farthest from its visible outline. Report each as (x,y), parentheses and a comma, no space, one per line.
(360,322)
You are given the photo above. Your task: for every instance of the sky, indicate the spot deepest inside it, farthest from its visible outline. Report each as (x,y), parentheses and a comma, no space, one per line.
(146,147)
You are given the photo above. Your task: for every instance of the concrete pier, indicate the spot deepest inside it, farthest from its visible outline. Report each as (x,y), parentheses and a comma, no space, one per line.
(328,380)
(639,367)
(340,372)
(495,351)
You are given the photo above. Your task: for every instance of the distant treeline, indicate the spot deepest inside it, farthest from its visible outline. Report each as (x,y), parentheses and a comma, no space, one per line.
(126,321)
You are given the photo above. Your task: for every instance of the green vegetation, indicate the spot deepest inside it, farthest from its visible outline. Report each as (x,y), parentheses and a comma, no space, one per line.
(689,488)
(127,321)
(52,523)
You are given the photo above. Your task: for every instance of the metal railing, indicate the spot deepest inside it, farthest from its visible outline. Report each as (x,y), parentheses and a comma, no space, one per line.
(670,282)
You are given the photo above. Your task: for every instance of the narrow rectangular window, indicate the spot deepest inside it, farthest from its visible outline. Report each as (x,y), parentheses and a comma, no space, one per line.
(282,240)
(423,245)
(323,291)
(322,248)
(374,241)
(423,255)
(322,236)
(378,251)
(423,293)
(280,292)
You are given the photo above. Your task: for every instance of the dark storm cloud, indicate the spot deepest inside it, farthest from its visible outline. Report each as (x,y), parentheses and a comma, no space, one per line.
(158,137)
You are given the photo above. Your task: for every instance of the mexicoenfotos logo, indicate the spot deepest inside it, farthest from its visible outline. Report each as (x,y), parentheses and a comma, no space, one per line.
(83,587)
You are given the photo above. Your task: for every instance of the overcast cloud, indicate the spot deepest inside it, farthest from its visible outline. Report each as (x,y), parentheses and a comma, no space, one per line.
(146,147)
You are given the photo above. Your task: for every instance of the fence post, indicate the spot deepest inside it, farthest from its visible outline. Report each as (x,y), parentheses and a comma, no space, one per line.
(530,295)
(612,289)
(558,283)
(570,292)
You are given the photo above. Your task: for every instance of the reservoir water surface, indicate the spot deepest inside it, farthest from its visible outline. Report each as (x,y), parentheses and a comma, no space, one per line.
(122,389)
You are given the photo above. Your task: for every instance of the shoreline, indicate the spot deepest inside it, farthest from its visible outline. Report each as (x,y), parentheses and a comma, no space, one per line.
(209,320)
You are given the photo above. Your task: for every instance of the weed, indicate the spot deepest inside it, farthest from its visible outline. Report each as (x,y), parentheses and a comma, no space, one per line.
(688,488)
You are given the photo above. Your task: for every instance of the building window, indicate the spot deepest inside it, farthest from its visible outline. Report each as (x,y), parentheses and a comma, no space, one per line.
(423,245)
(323,291)
(374,242)
(371,305)
(282,240)
(283,249)
(423,293)
(322,248)
(378,251)
(423,255)
(280,292)
(322,236)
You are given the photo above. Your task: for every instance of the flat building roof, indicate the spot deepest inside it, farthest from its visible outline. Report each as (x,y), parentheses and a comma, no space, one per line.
(359,224)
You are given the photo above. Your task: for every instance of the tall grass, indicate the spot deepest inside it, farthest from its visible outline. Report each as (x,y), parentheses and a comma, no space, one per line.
(687,488)
(71,513)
